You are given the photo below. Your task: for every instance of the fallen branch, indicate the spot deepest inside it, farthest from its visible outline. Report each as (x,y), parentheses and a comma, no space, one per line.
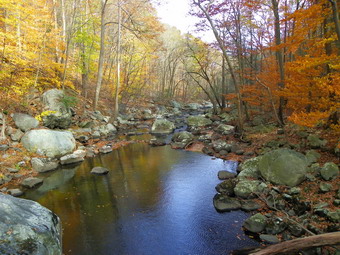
(300,244)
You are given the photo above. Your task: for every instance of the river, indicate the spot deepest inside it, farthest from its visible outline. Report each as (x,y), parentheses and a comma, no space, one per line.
(154,200)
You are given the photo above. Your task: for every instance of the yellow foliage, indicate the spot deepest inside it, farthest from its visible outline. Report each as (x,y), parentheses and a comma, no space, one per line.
(43,114)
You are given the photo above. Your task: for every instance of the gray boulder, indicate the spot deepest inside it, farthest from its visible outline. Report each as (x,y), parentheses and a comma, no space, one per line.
(182,137)
(255,223)
(224,175)
(315,142)
(17,135)
(175,104)
(99,170)
(15,192)
(198,121)
(60,116)
(329,171)
(28,228)
(225,129)
(193,106)
(249,169)
(25,122)
(42,165)
(75,157)
(220,145)
(283,167)
(49,143)
(247,188)
(106,130)
(162,126)
(224,203)
(31,182)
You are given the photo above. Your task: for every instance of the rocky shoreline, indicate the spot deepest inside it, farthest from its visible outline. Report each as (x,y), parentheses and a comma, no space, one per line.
(288,184)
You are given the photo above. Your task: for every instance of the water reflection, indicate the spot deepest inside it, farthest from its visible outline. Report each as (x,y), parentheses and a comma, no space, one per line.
(153,201)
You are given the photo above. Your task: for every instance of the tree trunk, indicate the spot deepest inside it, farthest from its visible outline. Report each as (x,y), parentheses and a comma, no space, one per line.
(116,110)
(336,21)
(101,54)
(300,244)
(279,57)
(226,57)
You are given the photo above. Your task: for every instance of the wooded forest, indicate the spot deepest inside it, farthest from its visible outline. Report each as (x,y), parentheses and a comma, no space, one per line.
(274,57)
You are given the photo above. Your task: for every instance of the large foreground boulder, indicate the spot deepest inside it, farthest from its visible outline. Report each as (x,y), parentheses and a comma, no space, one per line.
(283,167)
(28,228)
(49,143)
(59,114)
(162,126)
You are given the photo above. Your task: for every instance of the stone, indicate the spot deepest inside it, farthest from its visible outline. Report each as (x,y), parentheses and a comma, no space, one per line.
(105,149)
(226,187)
(329,171)
(207,150)
(250,205)
(99,170)
(15,192)
(49,143)
(225,129)
(325,187)
(31,182)
(157,142)
(271,239)
(223,175)
(4,147)
(17,135)
(283,167)
(42,165)
(25,122)
(247,188)
(58,112)
(12,170)
(295,230)
(198,121)
(249,169)
(223,203)
(5,179)
(193,106)
(294,191)
(106,130)
(75,157)
(182,137)
(275,226)
(312,157)
(255,223)
(220,145)
(315,142)
(28,228)
(175,104)
(334,216)
(162,126)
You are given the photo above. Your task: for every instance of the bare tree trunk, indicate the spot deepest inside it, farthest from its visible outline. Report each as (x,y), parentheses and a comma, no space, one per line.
(336,21)
(230,66)
(116,111)
(300,244)
(279,57)
(101,54)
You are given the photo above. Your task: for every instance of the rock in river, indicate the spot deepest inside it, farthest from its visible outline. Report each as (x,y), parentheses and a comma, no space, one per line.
(28,228)
(162,126)
(49,143)
(31,182)
(99,170)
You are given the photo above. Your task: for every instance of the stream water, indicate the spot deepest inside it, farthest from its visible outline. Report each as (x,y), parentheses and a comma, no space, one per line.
(154,200)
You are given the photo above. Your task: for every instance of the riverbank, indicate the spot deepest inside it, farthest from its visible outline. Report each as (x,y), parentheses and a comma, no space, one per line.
(33,145)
